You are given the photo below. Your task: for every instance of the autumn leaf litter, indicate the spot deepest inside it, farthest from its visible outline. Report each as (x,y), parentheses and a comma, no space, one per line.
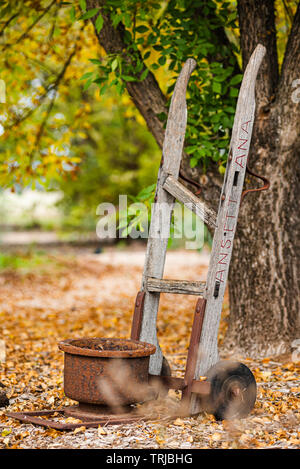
(93,295)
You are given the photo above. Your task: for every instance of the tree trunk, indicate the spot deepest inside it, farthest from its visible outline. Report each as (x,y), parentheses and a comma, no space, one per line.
(264,277)
(264,286)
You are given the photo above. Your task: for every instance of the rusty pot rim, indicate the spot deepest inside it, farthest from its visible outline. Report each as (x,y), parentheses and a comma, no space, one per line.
(139,349)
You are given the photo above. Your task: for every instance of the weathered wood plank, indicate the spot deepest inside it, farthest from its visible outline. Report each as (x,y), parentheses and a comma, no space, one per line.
(184,287)
(190,200)
(162,211)
(227,218)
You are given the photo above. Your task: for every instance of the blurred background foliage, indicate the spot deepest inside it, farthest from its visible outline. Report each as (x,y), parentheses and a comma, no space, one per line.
(69,125)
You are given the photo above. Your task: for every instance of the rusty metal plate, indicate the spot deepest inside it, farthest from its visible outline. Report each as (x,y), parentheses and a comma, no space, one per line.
(36,419)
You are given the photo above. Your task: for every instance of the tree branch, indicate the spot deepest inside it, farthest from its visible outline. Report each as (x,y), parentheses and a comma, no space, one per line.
(24,35)
(146,95)
(288,11)
(52,101)
(51,87)
(7,23)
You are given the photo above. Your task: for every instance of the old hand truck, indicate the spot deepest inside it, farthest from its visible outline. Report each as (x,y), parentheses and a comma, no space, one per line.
(232,387)
(229,390)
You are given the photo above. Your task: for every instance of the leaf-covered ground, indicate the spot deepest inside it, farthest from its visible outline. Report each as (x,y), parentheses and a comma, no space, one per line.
(93,295)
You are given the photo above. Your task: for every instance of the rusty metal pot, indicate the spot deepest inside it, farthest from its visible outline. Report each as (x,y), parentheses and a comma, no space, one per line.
(108,372)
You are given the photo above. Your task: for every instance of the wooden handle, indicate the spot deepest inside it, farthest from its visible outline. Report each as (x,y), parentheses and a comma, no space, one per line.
(177,119)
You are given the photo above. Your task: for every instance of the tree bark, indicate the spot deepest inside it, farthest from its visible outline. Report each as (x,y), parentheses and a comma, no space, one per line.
(264,287)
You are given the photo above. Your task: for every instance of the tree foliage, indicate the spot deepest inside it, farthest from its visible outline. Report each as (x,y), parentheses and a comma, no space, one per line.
(52,129)
(58,79)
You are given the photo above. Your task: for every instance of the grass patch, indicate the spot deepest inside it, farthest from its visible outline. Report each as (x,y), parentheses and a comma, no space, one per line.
(31,260)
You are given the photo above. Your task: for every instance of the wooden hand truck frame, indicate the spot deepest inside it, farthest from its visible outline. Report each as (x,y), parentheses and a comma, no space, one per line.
(203,348)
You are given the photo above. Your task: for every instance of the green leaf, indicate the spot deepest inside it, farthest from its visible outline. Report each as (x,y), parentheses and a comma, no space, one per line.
(193,162)
(144,74)
(128,78)
(120,88)
(141,29)
(191,149)
(86,75)
(73,14)
(162,116)
(162,60)
(99,80)
(82,4)
(95,61)
(229,109)
(116,20)
(99,23)
(114,64)
(89,14)
(152,39)
(146,192)
(127,20)
(233,92)
(217,87)
(87,84)
(103,89)
(236,79)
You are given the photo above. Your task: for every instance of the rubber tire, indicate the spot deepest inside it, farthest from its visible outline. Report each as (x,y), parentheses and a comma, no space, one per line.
(223,377)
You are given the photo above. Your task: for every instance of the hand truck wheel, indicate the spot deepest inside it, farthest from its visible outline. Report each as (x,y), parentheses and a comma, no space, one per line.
(233,390)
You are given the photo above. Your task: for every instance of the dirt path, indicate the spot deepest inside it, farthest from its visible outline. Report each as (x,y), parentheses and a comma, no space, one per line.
(93,295)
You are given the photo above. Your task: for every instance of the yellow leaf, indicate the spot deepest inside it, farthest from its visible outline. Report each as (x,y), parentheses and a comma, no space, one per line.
(19,150)
(72,420)
(178,422)
(160,441)
(101,431)
(216,437)
(6,432)
(79,430)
